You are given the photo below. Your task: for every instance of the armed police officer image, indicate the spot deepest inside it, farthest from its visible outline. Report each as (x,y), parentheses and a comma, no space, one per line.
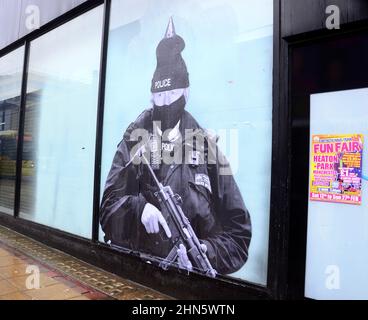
(179,204)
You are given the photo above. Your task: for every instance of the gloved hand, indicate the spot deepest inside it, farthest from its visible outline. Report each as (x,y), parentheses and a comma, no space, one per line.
(151,218)
(183,259)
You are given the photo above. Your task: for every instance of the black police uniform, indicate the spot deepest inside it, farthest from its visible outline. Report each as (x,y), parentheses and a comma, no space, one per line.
(211,201)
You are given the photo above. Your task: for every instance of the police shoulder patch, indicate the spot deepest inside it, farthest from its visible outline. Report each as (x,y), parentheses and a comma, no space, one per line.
(203,180)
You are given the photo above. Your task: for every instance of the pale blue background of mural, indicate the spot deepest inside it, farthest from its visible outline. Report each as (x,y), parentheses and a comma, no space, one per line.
(337,233)
(229,58)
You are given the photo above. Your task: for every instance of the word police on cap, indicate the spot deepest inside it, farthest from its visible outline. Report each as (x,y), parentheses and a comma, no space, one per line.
(163,84)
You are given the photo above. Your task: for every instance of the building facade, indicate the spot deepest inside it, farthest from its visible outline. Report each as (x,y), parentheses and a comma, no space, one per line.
(274,81)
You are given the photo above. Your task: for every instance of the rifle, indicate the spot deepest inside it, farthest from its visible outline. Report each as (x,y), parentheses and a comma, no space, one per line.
(171,203)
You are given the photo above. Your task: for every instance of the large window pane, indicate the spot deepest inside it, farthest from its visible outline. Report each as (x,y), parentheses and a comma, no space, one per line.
(60,125)
(228,55)
(11,67)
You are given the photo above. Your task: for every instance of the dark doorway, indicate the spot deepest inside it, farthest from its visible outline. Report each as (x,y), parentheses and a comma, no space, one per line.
(323,65)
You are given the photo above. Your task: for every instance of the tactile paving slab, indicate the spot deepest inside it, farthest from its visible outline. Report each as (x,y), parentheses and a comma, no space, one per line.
(98,279)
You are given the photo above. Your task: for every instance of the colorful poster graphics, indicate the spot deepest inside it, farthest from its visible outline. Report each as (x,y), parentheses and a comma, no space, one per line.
(336,168)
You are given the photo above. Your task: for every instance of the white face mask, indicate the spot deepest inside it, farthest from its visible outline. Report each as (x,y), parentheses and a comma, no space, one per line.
(166,98)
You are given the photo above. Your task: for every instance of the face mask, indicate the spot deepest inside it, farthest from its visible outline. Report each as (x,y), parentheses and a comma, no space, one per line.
(167,98)
(169,115)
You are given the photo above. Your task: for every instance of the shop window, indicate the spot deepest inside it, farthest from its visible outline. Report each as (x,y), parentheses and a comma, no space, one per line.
(11,67)
(228,55)
(329,182)
(60,125)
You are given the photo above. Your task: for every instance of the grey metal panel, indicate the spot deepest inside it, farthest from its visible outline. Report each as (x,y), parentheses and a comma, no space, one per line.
(49,10)
(299,16)
(13,16)
(357,9)
(9,21)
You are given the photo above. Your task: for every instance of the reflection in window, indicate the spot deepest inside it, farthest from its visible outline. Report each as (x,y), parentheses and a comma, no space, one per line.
(60,125)
(11,67)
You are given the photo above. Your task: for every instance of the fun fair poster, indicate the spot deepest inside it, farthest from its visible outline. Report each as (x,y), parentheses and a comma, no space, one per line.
(336,168)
